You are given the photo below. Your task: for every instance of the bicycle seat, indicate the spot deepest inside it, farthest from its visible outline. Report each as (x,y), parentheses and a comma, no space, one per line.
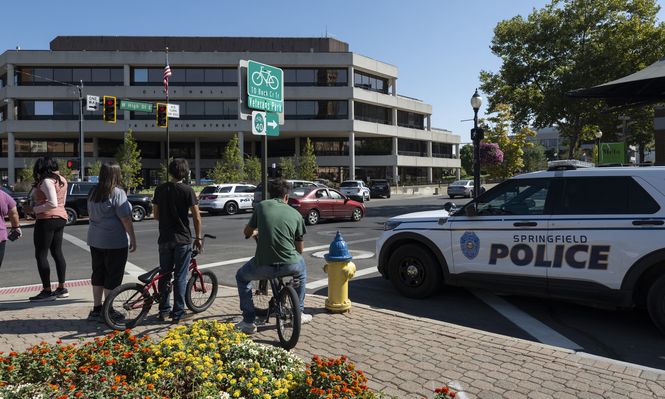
(145,278)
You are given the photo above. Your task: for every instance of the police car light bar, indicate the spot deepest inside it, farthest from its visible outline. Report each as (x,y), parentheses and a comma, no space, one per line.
(568,164)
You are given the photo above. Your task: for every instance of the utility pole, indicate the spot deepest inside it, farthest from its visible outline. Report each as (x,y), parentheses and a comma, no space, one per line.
(81,138)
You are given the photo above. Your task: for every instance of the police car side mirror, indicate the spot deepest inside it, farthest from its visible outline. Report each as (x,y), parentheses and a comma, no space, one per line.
(449,206)
(470,209)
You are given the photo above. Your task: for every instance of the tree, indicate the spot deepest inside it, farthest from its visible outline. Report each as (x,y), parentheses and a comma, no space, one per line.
(94,168)
(466,158)
(512,146)
(534,158)
(129,158)
(253,170)
(164,170)
(309,169)
(231,167)
(567,45)
(288,168)
(25,179)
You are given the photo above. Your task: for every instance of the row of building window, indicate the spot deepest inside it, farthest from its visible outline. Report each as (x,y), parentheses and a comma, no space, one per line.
(144,76)
(328,146)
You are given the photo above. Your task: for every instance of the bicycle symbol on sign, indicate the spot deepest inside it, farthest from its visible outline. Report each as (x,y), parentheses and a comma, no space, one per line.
(265,76)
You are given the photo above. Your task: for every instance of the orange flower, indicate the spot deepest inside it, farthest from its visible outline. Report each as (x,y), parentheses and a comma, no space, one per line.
(150,387)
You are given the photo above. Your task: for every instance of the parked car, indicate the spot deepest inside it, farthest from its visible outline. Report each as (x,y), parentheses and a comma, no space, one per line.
(462,188)
(293,184)
(229,198)
(379,188)
(355,189)
(20,198)
(76,203)
(315,204)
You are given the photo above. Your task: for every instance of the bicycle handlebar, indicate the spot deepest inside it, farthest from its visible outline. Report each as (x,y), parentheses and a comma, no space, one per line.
(209,236)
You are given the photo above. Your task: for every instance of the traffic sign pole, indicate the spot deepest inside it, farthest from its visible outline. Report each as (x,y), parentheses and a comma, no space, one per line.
(82,143)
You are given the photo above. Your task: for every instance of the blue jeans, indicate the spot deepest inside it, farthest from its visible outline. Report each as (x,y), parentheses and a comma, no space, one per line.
(251,272)
(174,258)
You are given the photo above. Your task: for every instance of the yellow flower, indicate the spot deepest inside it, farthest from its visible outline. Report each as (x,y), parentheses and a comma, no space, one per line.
(256,391)
(236,393)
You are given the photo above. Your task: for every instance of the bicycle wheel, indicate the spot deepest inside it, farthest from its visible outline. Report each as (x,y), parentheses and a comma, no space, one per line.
(288,317)
(273,82)
(126,306)
(261,295)
(257,78)
(201,292)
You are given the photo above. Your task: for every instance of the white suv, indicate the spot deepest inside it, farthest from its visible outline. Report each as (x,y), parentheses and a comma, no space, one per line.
(594,234)
(355,188)
(229,198)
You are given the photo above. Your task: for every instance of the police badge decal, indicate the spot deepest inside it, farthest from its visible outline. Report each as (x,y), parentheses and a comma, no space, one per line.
(470,244)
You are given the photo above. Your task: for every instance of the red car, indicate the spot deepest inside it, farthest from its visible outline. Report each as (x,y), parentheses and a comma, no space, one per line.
(325,203)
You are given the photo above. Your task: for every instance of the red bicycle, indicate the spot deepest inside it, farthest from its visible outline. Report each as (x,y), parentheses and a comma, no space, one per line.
(127,305)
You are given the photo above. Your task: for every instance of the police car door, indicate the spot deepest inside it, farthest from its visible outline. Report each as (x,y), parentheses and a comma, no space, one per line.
(504,243)
(601,225)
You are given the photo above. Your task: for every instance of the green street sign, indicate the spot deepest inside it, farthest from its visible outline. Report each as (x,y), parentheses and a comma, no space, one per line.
(612,153)
(265,87)
(135,106)
(272,124)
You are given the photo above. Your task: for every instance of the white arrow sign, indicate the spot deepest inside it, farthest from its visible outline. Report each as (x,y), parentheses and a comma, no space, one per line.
(272,124)
(93,103)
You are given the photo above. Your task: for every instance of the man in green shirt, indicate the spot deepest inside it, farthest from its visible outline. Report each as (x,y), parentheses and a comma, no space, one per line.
(278,230)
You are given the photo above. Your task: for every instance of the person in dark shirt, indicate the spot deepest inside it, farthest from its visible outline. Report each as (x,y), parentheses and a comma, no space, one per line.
(172,203)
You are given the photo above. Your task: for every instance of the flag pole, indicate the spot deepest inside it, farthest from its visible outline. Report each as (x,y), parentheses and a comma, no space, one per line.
(168,137)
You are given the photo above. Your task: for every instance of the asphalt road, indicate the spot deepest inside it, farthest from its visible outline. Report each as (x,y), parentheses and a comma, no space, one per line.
(619,334)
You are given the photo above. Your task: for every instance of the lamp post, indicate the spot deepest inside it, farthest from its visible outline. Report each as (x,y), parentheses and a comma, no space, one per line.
(599,134)
(477,134)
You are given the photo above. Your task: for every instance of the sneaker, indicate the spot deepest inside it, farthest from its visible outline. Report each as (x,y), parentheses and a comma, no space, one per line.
(182,317)
(43,296)
(95,314)
(305,318)
(61,293)
(247,328)
(163,316)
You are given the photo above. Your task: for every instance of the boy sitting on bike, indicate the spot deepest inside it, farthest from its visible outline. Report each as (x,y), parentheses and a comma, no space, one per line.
(279,231)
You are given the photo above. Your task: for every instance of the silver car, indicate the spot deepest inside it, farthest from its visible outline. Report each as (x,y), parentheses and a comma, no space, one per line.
(462,188)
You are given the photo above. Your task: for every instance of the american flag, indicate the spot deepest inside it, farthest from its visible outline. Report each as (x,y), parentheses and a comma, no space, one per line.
(167,74)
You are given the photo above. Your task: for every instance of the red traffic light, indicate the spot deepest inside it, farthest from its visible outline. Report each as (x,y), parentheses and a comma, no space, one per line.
(109,111)
(162,115)
(70,164)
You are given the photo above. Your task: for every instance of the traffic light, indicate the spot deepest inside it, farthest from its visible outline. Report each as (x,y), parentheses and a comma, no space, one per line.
(109,109)
(73,164)
(162,117)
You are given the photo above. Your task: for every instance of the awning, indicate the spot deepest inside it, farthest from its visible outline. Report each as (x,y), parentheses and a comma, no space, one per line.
(642,87)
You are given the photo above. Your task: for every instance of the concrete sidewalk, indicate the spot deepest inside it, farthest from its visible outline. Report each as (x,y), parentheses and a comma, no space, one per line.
(404,356)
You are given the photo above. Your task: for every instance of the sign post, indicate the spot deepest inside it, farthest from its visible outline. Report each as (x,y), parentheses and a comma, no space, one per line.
(265,92)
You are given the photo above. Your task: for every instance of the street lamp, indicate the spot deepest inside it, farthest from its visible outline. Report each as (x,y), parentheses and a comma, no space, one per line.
(477,134)
(599,134)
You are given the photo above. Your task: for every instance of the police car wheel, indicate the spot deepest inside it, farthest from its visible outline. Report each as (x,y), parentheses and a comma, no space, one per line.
(414,271)
(656,303)
(231,208)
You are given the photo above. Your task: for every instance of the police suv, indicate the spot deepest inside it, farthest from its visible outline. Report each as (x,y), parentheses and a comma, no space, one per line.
(228,198)
(591,234)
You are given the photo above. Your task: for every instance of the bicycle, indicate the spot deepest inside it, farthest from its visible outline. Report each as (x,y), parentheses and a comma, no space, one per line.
(127,305)
(265,76)
(284,304)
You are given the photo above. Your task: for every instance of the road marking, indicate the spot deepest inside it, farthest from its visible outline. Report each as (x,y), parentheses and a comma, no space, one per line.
(130,268)
(526,322)
(243,260)
(324,282)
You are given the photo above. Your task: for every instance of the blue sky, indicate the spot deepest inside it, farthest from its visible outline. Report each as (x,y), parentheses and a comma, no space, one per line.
(439,46)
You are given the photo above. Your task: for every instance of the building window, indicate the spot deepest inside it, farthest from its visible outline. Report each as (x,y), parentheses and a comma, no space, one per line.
(328,146)
(282,148)
(3,81)
(315,77)
(313,109)
(185,76)
(197,110)
(98,76)
(414,148)
(150,149)
(370,82)
(372,113)
(412,175)
(54,148)
(212,150)
(107,148)
(182,150)
(411,120)
(442,150)
(56,110)
(373,146)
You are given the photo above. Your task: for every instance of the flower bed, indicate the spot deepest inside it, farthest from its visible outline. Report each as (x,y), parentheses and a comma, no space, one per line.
(207,359)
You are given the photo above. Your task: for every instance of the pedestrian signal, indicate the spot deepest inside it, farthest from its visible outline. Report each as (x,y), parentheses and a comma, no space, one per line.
(72,164)
(162,117)
(109,109)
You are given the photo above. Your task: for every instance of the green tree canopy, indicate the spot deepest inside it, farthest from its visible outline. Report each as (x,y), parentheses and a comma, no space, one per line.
(497,131)
(309,169)
(466,158)
(253,170)
(534,158)
(94,168)
(129,158)
(566,45)
(63,169)
(288,168)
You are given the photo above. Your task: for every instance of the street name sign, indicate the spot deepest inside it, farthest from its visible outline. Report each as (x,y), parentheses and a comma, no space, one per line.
(93,103)
(136,106)
(265,87)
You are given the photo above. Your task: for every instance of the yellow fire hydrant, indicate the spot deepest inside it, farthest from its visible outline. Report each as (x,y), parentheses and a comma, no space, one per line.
(340,269)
